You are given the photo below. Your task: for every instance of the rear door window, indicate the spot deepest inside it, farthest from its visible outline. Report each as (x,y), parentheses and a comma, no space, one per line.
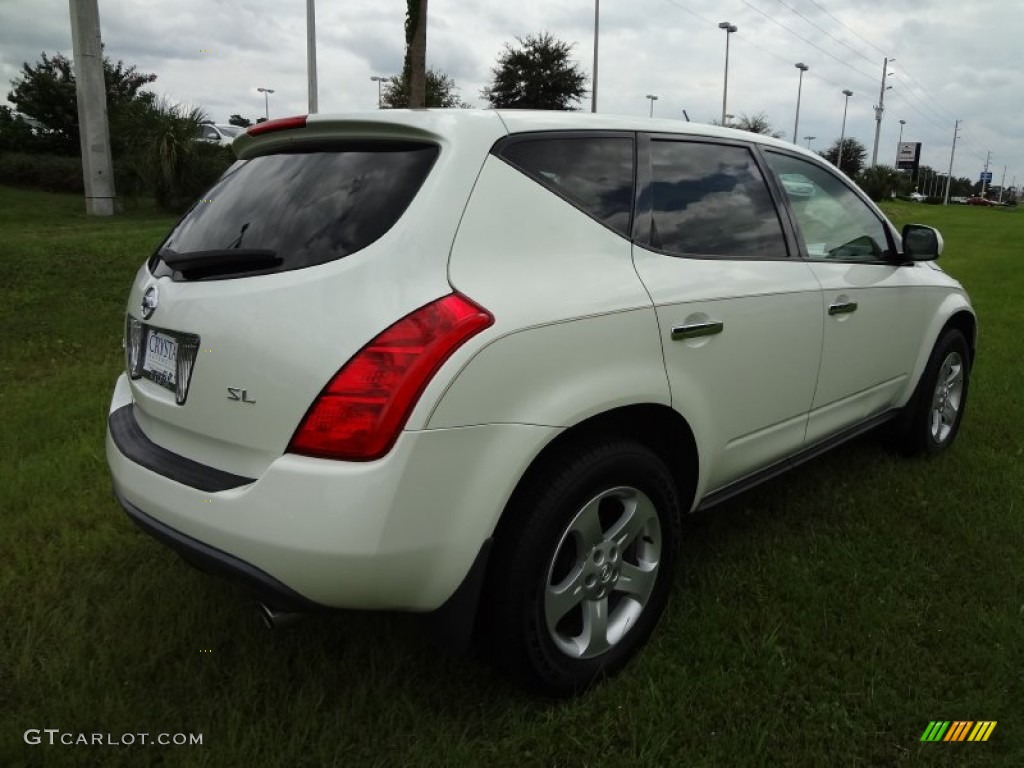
(711,200)
(594,173)
(297,209)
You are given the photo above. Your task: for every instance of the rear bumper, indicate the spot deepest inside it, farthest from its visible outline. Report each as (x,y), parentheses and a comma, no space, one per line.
(260,584)
(399,533)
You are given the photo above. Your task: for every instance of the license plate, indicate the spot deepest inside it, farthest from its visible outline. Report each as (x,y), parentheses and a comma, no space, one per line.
(161,359)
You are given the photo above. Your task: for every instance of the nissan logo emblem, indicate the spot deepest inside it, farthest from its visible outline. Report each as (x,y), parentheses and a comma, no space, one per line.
(150,301)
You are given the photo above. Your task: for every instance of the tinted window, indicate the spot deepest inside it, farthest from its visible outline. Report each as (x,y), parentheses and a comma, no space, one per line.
(834,222)
(309,207)
(711,200)
(595,174)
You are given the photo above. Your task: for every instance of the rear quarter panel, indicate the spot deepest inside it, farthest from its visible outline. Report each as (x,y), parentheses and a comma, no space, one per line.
(575,332)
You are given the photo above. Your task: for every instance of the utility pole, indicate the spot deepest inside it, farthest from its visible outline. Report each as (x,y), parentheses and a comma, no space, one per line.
(1002,185)
(984,177)
(311,53)
(879,109)
(91,92)
(952,152)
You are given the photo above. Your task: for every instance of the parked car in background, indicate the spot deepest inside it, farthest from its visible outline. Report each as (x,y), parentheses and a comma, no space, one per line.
(981,201)
(216,133)
(478,364)
(917,197)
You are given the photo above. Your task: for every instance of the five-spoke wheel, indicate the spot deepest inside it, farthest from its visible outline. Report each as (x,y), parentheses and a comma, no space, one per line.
(582,564)
(603,572)
(931,419)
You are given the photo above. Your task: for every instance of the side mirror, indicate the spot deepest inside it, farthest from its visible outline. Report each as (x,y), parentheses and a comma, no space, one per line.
(921,243)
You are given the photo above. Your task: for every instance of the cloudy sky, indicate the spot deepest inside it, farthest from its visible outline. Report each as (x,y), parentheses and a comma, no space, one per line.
(955,59)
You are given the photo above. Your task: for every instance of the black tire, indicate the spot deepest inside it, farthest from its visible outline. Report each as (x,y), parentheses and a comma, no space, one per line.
(918,429)
(537,545)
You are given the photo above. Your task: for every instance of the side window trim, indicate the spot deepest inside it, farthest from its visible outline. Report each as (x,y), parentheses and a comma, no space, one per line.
(643,201)
(501,144)
(789,226)
(644,206)
(893,254)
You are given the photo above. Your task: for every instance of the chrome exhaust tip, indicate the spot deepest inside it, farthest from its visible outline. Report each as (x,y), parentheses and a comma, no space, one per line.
(274,619)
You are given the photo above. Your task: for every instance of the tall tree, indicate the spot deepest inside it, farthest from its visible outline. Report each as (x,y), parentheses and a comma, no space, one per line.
(441,92)
(854,155)
(538,74)
(414,71)
(46,92)
(15,132)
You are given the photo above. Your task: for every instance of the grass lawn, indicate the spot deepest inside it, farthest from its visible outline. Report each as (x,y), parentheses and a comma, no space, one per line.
(823,619)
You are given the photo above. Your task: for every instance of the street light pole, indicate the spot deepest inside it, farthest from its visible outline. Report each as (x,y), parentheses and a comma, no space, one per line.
(378,80)
(809,139)
(266,101)
(796,124)
(653,99)
(311,54)
(902,123)
(593,88)
(842,134)
(729,29)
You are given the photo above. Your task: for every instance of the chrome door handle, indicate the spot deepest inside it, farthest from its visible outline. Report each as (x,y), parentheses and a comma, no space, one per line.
(842,307)
(696,330)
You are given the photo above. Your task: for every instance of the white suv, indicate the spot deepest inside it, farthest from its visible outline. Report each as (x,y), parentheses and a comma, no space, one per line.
(477,363)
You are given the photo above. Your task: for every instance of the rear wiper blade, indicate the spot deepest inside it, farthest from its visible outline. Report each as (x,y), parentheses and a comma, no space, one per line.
(221,260)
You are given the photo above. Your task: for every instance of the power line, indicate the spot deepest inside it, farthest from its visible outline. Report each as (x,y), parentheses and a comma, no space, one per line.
(809,42)
(825,31)
(937,120)
(907,75)
(692,13)
(847,28)
(787,61)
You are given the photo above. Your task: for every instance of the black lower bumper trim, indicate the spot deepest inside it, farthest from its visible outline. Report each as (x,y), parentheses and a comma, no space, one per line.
(133,443)
(262,585)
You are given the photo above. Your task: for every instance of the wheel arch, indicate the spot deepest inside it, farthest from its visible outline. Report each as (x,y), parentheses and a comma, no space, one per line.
(660,428)
(955,312)
(966,323)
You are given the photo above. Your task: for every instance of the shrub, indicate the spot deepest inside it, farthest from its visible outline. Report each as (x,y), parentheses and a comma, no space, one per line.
(164,157)
(52,173)
(880,182)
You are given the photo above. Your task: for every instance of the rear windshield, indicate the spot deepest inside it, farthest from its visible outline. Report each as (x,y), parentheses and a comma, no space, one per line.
(295,209)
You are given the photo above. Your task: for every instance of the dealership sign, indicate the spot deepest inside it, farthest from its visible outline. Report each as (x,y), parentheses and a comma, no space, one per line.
(908,154)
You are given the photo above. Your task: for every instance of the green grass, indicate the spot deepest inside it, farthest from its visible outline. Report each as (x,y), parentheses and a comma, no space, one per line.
(820,620)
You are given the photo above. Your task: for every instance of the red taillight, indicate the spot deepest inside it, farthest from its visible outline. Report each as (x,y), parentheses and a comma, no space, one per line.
(280,124)
(362,409)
